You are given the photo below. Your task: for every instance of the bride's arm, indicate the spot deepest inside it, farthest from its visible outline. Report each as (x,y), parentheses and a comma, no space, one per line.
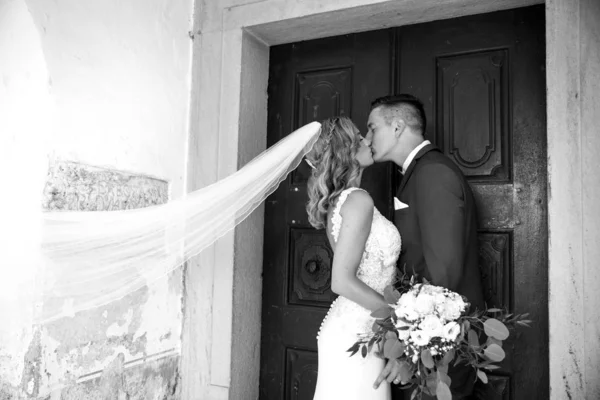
(357,216)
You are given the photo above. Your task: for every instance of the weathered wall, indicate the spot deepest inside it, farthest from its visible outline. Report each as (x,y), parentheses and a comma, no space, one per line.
(128,347)
(590,121)
(573,76)
(105,85)
(23,92)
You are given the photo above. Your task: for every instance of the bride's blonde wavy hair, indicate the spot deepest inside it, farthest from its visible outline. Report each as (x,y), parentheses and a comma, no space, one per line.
(334,167)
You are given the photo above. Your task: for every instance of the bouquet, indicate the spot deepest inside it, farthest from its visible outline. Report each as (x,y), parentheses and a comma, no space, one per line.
(426,328)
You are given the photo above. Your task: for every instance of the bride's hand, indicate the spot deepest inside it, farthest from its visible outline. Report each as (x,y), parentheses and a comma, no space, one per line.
(391,373)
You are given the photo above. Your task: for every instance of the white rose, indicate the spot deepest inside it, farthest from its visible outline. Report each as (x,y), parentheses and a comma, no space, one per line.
(451,331)
(451,310)
(425,304)
(432,325)
(420,338)
(403,334)
(432,289)
(407,307)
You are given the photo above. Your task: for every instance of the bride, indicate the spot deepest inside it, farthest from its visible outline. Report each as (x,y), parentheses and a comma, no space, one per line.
(366,246)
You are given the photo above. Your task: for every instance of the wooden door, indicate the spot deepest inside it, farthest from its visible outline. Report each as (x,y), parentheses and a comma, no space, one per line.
(311,81)
(482,81)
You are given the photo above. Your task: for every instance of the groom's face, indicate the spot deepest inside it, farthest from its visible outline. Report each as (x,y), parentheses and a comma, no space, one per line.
(381,134)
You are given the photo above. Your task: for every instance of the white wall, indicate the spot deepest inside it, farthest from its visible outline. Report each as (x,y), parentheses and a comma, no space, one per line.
(104,83)
(23,93)
(573,78)
(119,74)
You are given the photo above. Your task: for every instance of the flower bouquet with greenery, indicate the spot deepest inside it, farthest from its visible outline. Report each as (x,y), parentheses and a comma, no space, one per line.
(427,327)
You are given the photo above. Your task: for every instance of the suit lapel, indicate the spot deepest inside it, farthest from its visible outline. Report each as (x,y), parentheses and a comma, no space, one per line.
(411,167)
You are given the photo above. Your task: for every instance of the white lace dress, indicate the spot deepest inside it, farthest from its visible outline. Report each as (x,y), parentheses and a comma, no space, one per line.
(341,376)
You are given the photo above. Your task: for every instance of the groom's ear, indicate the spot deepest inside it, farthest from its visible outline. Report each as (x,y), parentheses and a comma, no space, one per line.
(399,126)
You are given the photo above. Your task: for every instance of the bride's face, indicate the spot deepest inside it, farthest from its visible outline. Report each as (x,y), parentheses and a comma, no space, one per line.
(364,156)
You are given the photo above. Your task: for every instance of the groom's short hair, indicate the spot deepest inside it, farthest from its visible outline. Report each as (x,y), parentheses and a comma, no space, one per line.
(405,106)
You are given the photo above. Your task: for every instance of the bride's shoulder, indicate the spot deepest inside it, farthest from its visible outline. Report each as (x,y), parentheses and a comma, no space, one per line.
(356,201)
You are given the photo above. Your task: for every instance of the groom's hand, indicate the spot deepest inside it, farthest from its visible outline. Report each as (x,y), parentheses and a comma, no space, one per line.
(391,373)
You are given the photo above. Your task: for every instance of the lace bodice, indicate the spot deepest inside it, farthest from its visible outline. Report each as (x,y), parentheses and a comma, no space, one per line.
(377,266)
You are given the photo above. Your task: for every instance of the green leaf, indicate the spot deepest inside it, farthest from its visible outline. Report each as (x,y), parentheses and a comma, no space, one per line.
(391,335)
(427,359)
(382,312)
(393,348)
(413,395)
(491,367)
(364,351)
(406,372)
(371,343)
(391,295)
(494,353)
(466,325)
(495,328)
(442,367)
(491,340)
(482,376)
(443,377)
(448,357)
(355,347)
(375,328)
(431,382)
(473,338)
(443,392)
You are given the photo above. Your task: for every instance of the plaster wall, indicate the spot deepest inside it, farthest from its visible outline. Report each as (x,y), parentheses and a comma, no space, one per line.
(92,94)
(590,180)
(573,76)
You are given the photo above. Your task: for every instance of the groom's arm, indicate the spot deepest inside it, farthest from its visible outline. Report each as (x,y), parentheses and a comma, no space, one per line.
(440,211)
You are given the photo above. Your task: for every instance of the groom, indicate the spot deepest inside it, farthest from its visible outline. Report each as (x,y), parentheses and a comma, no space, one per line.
(438,228)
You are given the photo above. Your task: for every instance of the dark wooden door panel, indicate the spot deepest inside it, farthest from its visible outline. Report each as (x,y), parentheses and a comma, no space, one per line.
(482,80)
(311,81)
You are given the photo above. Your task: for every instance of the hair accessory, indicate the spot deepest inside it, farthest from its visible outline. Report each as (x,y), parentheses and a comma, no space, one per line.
(309,163)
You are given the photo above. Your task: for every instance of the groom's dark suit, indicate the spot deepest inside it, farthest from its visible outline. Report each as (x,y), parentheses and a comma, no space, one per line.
(439,235)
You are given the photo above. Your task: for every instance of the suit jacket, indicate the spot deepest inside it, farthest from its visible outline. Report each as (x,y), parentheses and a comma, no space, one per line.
(439,234)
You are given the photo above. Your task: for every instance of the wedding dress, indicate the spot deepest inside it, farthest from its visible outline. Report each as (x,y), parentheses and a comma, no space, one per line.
(339,375)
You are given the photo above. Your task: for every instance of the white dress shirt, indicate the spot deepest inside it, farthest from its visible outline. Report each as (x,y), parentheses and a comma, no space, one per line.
(412,155)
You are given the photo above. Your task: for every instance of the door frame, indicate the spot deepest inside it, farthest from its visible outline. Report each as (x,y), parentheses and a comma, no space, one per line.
(228,125)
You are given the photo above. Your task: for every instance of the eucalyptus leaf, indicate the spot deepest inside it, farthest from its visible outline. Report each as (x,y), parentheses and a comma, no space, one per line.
(427,359)
(391,295)
(443,377)
(442,367)
(494,310)
(413,395)
(494,353)
(473,338)
(382,312)
(495,328)
(466,325)
(491,367)
(390,335)
(443,392)
(406,372)
(364,351)
(482,376)
(354,349)
(493,340)
(393,348)
(448,357)
(431,382)
(375,328)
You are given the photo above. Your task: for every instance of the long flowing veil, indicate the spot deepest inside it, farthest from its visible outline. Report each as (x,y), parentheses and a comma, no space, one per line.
(94,258)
